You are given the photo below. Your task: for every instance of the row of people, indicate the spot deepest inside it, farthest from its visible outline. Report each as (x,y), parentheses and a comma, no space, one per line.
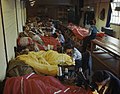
(32,31)
(40,34)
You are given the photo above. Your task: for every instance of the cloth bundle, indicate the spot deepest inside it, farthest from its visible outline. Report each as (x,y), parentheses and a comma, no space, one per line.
(46,62)
(36,84)
(78,31)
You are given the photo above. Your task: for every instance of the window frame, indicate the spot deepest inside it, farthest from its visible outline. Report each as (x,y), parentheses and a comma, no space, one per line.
(115,15)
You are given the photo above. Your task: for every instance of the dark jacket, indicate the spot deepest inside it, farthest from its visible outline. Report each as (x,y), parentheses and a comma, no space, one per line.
(114,85)
(114,82)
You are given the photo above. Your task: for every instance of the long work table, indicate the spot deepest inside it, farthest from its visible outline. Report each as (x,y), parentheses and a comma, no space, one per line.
(108,54)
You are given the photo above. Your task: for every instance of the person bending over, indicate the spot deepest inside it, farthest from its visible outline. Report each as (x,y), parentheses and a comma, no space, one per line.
(107,82)
(93,31)
(74,53)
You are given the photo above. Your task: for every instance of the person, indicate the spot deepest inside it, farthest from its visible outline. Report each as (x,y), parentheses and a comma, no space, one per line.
(60,37)
(35,37)
(93,31)
(75,54)
(108,82)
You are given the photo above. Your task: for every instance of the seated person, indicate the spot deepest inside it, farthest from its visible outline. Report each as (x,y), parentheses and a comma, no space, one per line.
(107,83)
(77,57)
(75,54)
(47,31)
(35,37)
(93,31)
(55,36)
(26,44)
(60,37)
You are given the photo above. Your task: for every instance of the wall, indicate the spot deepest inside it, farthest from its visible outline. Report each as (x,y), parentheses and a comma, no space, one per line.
(23,12)
(51,5)
(10,25)
(12,17)
(98,6)
(54,2)
(101,23)
(19,16)
(3,64)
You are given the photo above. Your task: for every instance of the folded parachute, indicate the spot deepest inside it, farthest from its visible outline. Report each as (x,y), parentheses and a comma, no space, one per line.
(46,62)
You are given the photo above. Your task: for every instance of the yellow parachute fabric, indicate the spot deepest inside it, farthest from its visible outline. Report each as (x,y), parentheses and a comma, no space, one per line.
(38,65)
(55,58)
(46,61)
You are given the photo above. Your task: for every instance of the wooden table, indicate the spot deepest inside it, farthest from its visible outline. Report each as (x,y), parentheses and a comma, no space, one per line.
(109,46)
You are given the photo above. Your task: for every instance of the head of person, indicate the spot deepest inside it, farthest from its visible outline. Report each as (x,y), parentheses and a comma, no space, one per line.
(92,22)
(26,43)
(26,29)
(101,77)
(55,35)
(49,24)
(68,49)
(31,34)
(47,31)
(58,31)
(22,34)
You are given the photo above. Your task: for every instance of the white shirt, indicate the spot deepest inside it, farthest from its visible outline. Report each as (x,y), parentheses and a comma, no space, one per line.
(76,54)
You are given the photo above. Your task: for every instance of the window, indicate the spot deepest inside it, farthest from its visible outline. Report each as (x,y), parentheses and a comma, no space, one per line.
(115,16)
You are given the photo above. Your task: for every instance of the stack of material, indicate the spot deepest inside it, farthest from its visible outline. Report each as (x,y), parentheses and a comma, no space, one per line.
(18,68)
(50,41)
(45,62)
(36,84)
(78,31)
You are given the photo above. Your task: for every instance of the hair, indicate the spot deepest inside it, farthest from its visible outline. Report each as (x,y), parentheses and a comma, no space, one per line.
(22,34)
(55,35)
(58,31)
(24,28)
(100,76)
(68,46)
(48,29)
(92,22)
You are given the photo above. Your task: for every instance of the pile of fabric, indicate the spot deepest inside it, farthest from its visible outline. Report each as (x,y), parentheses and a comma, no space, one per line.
(18,68)
(23,79)
(45,62)
(50,41)
(78,31)
(100,34)
(37,84)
